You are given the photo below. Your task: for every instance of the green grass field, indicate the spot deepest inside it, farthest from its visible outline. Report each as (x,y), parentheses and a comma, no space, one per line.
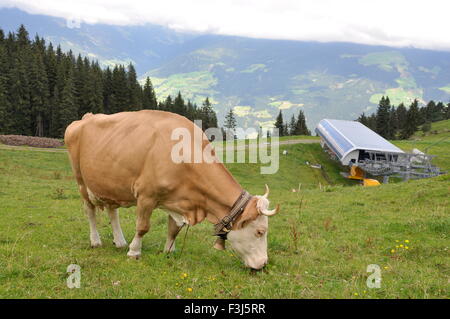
(320,244)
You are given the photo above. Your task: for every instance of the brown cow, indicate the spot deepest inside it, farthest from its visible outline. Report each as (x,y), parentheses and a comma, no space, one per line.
(124,159)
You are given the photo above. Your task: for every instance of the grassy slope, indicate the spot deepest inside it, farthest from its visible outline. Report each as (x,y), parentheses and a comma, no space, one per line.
(319,245)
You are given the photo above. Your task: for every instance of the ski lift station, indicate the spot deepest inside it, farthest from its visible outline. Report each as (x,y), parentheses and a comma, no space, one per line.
(364,151)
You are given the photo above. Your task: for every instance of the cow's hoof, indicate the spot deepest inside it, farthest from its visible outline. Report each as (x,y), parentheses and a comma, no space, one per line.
(133,255)
(120,244)
(96,244)
(169,249)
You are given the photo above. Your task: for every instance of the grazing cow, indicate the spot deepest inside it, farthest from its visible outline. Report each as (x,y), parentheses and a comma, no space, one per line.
(124,160)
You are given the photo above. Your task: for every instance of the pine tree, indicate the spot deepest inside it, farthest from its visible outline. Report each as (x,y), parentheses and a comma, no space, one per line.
(401,117)
(207,115)
(178,105)
(134,89)
(38,95)
(93,91)
(80,74)
(120,93)
(439,112)
(412,120)
(68,111)
(54,127)
(50,68)
(383,118)
(363,119)
(192,112)
(230,123)
(4,107)
(292,125)
(285,129)
(279,124)
(428,112)
(107,85)
(23,37)
(393,123)
(19,98)
(372,122)
(300,126)
(167,105)
(149,98)
(4,103)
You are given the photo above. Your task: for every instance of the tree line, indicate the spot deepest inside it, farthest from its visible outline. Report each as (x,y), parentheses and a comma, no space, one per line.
(296,126)
(399,122)
(43,89)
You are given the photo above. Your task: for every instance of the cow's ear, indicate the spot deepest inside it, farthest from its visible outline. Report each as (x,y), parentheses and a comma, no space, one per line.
(250,214)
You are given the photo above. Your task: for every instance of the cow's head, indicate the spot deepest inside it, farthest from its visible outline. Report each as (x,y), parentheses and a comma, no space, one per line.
(249,234)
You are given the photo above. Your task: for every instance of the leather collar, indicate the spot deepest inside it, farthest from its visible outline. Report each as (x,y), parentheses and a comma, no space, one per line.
(223,227)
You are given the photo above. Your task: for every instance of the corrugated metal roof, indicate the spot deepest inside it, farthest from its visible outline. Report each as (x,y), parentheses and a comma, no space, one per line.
(346,136)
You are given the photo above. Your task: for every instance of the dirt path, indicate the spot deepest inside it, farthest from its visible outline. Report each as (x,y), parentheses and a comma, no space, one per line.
(217,147)
(288,142)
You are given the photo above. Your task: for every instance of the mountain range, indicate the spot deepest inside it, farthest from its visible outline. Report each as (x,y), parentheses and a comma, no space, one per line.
(254,77)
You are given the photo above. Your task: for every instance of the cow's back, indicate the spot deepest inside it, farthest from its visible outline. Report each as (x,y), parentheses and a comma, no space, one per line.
(109,152)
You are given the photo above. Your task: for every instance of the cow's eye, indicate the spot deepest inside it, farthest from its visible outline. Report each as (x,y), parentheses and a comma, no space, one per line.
(260,232)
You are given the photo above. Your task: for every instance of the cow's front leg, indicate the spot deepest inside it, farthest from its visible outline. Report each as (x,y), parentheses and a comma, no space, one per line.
(94,236)
(119,239)
(143,213)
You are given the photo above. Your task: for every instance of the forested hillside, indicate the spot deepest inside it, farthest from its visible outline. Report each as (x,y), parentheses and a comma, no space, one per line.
(43,89)
(398,122)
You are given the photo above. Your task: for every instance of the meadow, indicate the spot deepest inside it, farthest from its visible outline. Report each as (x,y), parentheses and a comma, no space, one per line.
(320,244)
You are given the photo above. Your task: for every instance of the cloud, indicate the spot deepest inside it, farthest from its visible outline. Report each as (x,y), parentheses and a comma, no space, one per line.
(398,23)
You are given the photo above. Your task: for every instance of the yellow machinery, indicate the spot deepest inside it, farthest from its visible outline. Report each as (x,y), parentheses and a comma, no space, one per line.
(358,173)
(370,182)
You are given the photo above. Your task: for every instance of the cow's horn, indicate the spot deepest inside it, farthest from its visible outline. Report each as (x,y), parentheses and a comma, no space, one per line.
(266,195)
(271,212)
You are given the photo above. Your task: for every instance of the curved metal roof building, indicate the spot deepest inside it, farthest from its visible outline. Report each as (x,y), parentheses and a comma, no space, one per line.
(348,140)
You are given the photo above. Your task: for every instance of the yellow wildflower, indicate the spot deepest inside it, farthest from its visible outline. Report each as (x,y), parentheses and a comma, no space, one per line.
(406,241)
(189,289)
(392,251)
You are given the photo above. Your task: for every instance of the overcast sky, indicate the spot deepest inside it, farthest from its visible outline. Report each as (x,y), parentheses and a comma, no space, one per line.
(421,24)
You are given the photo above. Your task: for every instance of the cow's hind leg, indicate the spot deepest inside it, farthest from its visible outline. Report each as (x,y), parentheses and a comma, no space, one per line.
(172,232)
(119,239)
(94,236)
(143,213)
